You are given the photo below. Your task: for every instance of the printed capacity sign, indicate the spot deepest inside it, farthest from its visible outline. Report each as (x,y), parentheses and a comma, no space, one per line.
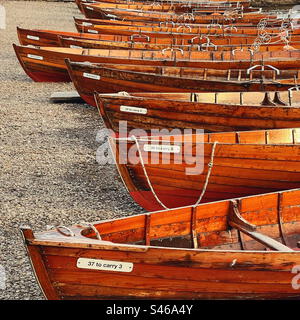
(105,265)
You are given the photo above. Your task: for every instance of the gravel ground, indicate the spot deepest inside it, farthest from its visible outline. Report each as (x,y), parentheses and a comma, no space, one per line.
(49,173)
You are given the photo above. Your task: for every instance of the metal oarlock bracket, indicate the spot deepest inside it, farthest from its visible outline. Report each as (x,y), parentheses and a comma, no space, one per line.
(184,26)
(172,50)
(242,50)
(263,67)
(139,36)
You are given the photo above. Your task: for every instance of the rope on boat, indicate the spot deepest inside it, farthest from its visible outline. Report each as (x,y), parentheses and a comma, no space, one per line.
(91,226)
(123,93)
(61,227)
(210,166)
(145,172)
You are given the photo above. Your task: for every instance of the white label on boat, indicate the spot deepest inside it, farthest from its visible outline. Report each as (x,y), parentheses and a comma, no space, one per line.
(133,109)
(91,76)
(32,37)
(33,56)
(161,148)
(87,24)
(105,265)
(92,31)
(75,47)
(90,8)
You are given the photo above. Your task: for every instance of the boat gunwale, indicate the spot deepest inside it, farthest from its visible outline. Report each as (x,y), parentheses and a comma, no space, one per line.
(89,243)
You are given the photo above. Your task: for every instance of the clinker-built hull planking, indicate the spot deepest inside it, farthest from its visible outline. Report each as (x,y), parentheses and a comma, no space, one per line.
(239,169)
(185,253)
(213,112)
(90,78)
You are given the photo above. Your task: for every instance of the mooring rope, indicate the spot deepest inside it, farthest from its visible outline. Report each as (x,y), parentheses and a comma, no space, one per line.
(145,172)
(210,166)
(91,226)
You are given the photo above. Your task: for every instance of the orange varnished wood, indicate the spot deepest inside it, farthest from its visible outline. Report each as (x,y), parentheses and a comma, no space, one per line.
(236,3)
(185,31)
(48,63)
(178,111)
(134,78)
(51,38)
(74,42)
(164,7)
(141,15)
(239,170)
(38,264)
(218,268)
(93,21)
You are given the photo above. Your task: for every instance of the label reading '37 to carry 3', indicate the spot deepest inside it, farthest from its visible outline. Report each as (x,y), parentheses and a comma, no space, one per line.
(105,265)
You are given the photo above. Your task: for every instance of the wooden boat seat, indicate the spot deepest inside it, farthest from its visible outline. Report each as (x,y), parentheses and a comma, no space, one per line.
(238,222)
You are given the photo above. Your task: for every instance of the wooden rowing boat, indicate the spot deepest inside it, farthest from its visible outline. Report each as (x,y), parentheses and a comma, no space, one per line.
(70,42)
(162,172)
(94,9)
(91,21)
(244,6)
(176,4)
(108,78)
(237,3)
(166,33)
(48,63)
(242,248)
(140,15)
(209,39)
(186,31)
(197,8)
(102,26)
(49,38)
(212,112)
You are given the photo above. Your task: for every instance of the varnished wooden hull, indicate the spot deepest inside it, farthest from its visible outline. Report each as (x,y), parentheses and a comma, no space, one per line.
(71,42)
(182,5)
(48,64)
(216,113)
(91,21)
(113,78)
(186,31)
(94,9)
(225,264)
(50,38)
(184,36)
(239,169)
(184,2)
(248,18)
(161,7)
(47,38)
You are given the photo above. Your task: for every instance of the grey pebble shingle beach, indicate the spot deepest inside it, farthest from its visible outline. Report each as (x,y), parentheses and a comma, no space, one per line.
(49,173)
